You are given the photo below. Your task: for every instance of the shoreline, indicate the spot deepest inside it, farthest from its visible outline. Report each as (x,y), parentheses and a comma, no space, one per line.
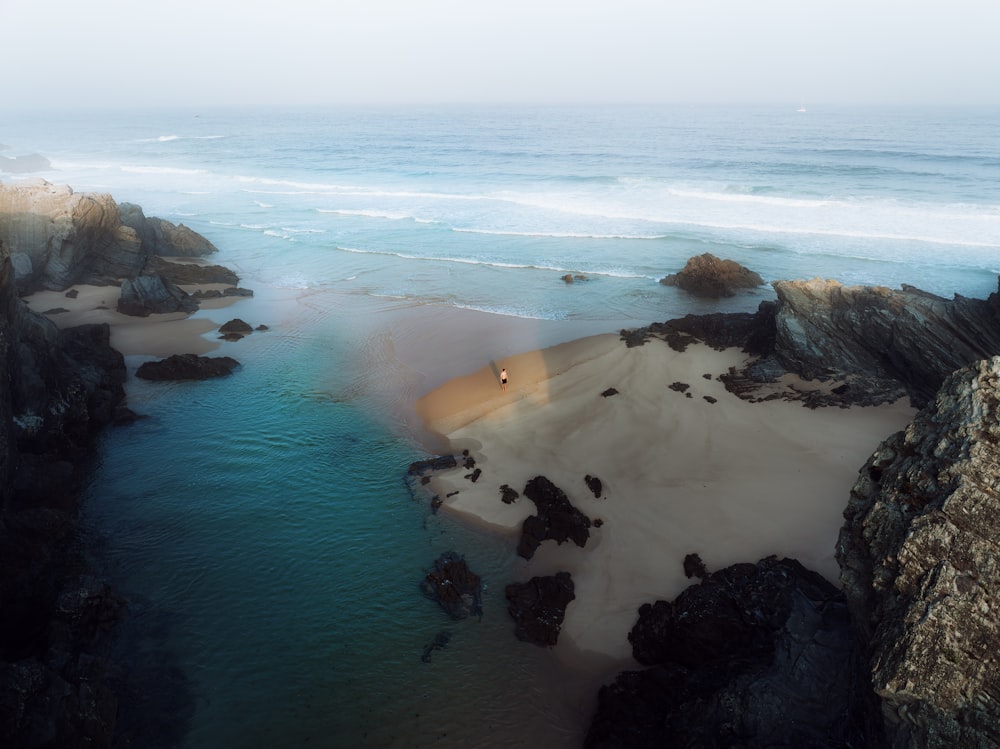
(156,335)
(729,480)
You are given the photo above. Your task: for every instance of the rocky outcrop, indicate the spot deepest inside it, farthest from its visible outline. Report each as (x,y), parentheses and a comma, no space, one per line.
(538,607)
(146,295)
(187,367)
(456,588)
(920,565)
(824,330)
(555,518)
(57,238)
(161,237)
(708,276)
(57,389)
(235,329)
(876,344)
(187,274)
(753,656)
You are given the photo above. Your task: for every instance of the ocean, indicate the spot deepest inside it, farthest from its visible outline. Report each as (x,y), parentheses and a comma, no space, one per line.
(261,526)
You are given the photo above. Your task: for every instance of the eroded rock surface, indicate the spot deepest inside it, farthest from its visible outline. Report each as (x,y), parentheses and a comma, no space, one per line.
(57,237)
(538,607)
(753,656)
(874,343)
(187,367)
(456,588)
(556,518)
(708,276)
(920,566)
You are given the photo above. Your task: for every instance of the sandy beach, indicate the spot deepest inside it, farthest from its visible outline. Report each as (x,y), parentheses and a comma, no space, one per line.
(729,480)
(155,336)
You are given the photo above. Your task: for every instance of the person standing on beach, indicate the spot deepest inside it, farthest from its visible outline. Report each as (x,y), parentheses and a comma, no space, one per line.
(503,379)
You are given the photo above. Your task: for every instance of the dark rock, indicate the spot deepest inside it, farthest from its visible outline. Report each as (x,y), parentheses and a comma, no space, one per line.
(237,328)
(160,237)
(598,523)
(474,476)
(261,327)
(440,642)
(469,463)
(72,294)
(571,277)
(680,387)
(454,586)
(920,566)
(555,519)
(187,367)
(609,392)
(708,276)
(710,399)
(508,495)
(538,607)
(751,657)
(634,338)
(146,295)
(694,567)
(594,484)
(190,274)
(58,388)
(439,463)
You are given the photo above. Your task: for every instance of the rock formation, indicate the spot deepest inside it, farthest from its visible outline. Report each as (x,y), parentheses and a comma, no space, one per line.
(456,588)
(57,238)
(920,566)
(708,276)
(753,656)
(187,367)
(555,518)
(57,389)
(877,343)
(538,607)
(146,295)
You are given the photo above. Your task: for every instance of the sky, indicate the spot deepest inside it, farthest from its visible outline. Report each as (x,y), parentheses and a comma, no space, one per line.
(59,53)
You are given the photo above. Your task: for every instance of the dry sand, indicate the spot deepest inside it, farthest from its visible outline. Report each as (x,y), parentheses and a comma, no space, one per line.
(156,335)
(732,481)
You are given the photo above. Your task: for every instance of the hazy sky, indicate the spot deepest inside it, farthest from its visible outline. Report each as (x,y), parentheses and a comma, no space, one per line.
(200,52)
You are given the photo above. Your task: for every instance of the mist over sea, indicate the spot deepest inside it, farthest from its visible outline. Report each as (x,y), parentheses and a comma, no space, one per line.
(261,526)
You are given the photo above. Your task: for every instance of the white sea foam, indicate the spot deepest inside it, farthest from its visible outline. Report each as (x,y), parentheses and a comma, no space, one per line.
(161,170)
(485,262)
(556,234)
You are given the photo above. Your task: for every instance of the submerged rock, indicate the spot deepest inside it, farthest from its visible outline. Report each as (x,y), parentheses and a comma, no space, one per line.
(920,565)
(187,367)
(456,588)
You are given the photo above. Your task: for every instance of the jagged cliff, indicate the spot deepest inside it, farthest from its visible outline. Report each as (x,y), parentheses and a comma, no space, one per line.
(58,389)
(877,343)
(920,561)
(57,237)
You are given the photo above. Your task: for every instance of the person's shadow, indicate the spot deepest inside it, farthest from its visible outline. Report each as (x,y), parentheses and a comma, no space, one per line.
(496,372)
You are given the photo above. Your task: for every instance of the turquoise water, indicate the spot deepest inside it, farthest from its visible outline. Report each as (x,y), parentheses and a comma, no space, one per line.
(274,552)
(261,525)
